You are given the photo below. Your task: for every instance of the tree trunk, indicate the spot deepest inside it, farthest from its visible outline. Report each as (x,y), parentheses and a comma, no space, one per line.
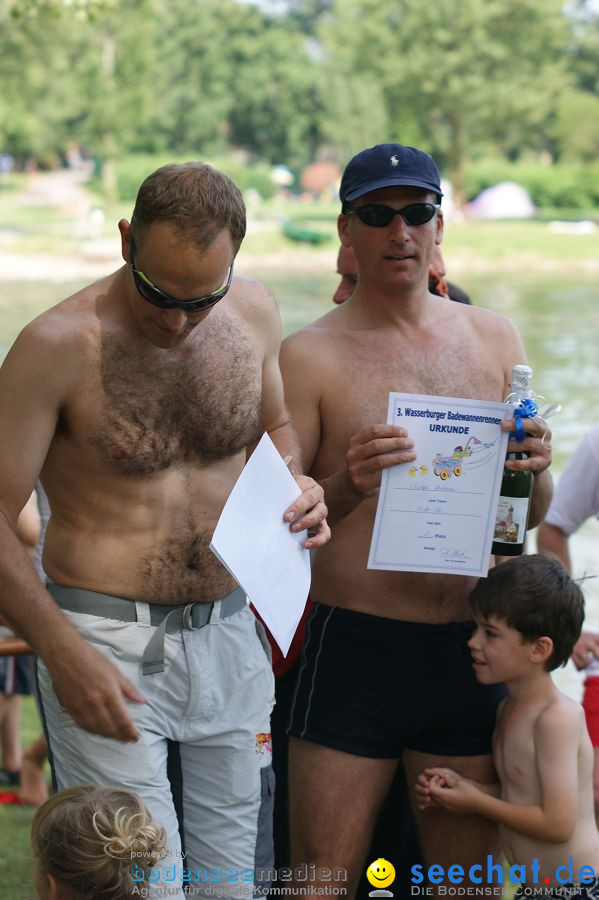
(108,140)
(456,163)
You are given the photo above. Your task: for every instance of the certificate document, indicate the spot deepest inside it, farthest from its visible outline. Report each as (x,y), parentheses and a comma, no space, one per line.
(256,545)
(437,513)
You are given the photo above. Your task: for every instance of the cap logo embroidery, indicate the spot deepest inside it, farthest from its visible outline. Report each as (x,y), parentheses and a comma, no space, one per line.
(394,160)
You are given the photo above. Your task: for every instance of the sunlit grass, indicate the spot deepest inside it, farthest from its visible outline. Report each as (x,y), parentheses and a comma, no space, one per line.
(522,243)
(469,245)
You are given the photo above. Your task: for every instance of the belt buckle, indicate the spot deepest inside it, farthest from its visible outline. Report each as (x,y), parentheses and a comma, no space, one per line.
(187,619)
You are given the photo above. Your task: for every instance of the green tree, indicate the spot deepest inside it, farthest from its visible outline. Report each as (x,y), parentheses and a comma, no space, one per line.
(115,82)
(575,127)
(275,102)
(191,83)
(234,76)
(583,48)
(459,73)
(289,82)
(38,99)
(66,75)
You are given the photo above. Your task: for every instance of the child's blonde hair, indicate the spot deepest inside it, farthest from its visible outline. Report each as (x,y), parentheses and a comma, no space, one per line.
(89,837)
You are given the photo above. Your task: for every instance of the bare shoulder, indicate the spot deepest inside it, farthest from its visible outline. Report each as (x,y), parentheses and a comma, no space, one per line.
(43,370)
(61,329)
(488,322)
(500,710)
(494,335)
(312,355)
(253,299)
(46,364)
(318,334)
(253,307)
(560,715)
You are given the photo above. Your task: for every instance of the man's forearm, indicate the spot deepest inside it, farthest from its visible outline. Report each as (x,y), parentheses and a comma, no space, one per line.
(542,492)
(285,439)
(28,607)
(89,687)
(341,495)
(492,789)
(551,541)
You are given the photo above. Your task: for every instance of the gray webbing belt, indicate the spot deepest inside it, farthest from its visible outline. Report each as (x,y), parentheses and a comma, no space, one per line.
(167,618)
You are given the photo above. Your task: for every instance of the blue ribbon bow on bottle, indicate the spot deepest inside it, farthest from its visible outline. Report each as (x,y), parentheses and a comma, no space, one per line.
(526,409)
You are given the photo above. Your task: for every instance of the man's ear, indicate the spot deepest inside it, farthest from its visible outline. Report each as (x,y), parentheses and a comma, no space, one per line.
(542,648)
(125,230)
(439,227)
(342,224)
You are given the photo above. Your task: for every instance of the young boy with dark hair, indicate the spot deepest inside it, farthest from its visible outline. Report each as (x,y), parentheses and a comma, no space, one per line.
(528,615)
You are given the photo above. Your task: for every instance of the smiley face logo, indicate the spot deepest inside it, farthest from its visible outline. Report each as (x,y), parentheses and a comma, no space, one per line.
(380,873)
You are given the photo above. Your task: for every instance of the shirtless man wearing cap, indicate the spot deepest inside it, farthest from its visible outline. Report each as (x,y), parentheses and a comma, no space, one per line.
(139,407)
(386,674)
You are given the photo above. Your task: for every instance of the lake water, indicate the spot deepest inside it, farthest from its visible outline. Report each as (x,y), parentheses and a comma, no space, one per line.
(558,318)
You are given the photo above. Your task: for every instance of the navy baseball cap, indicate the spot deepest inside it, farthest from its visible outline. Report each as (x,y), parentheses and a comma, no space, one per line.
(389,165)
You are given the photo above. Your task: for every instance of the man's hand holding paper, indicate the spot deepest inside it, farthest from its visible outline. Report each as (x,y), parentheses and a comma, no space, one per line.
(373,450)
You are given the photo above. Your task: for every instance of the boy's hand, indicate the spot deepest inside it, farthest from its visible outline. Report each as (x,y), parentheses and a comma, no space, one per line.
(423,795)
(449,790)
(424,782)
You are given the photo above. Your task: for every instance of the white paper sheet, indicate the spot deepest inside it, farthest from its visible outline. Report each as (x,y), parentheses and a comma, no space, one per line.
(437,514)
(257,546)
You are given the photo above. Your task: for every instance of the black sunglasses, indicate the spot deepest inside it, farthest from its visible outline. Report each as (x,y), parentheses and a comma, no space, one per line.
(164,301)
(379,216)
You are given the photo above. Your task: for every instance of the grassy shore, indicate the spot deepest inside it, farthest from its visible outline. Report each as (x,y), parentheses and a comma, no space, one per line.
(53,218)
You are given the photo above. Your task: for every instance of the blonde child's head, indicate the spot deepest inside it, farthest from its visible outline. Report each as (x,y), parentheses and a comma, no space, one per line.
(86,839)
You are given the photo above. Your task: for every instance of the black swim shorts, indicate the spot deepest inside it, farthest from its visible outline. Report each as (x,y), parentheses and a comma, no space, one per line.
(16,674)
(373,687)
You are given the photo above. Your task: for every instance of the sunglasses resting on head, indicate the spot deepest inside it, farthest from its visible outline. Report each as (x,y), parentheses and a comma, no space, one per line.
(378,215)
(164,301)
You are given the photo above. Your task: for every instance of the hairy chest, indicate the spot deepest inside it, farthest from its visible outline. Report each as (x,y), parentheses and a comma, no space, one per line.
(157,409)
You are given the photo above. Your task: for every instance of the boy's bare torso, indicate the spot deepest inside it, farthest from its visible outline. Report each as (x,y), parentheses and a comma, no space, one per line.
(515,756)
(350,369)
(147,446)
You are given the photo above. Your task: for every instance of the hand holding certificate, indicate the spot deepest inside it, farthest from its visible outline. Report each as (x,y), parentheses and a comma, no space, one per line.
(437,513)
(257,547)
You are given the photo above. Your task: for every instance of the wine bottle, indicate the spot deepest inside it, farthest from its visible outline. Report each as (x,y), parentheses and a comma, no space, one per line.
(516,487)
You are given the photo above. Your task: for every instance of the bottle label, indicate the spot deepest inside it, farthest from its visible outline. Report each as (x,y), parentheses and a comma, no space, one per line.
(510,525)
